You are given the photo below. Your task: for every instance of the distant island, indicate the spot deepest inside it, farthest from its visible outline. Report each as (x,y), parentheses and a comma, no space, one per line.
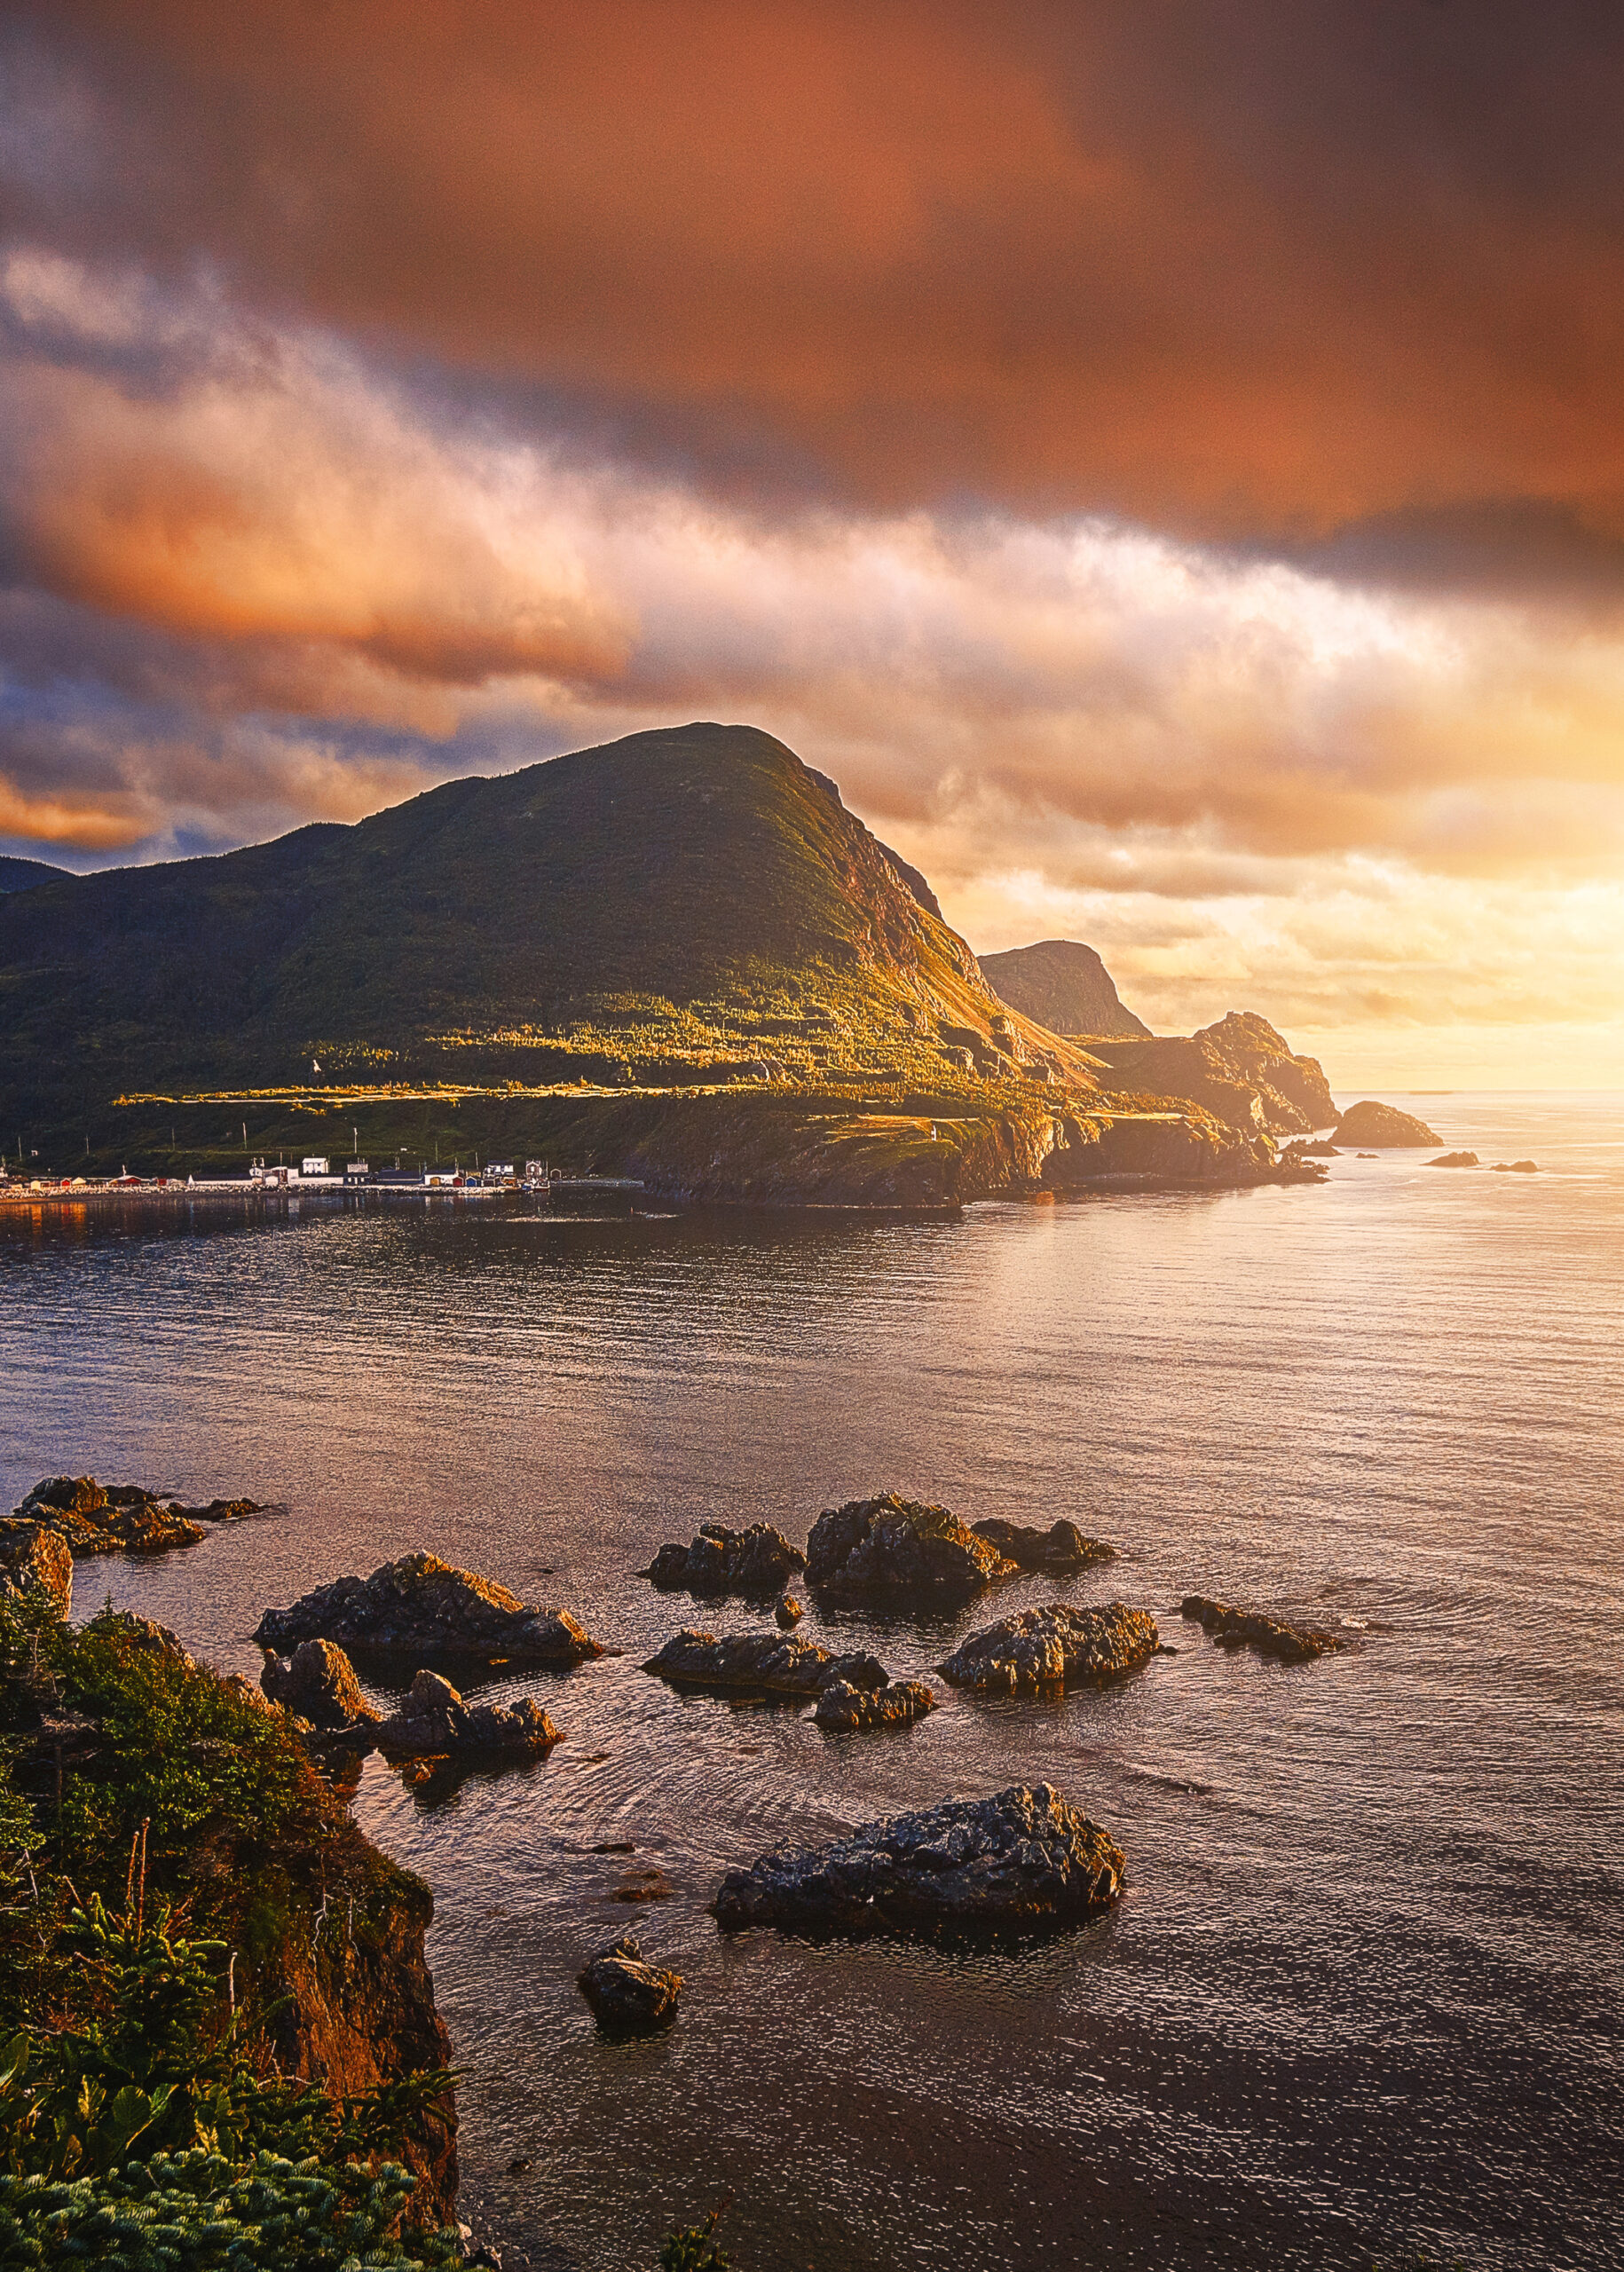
(677,957)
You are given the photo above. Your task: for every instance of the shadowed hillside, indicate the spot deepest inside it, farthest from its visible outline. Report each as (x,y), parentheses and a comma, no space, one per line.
(23,875)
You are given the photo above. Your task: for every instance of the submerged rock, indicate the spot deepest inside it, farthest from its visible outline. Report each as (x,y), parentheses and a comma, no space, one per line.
(1024,1858)
(120,1519)
(760,1560)
(318,1683)
(1245,1629)
(775,1664)
(787,1612)
(434,1722)
(1056,1647)
(38,1561)
(626,1993)
(899,1547)
(1061,1546)
(421,1606)
(844,1709)
(1369,1123)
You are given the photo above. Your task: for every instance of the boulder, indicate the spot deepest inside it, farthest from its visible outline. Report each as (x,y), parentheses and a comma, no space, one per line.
(422,1607)
(1455,1160)
(774,1664)
(1057,1647)
(760,1560)
(1023,1859)
(896,1547)
(434,1722)
(123,1519)
(37,1560)
(1383,1124)
(787,1612)
(1061,1546)
(1245,1629)
(626,1994)
(844,1709)
(318,1683)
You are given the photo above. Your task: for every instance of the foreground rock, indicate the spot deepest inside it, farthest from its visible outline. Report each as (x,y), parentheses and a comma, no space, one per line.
(318,1683)
(845,1709)
(760,1560)
(898,1547)
(777,1664)
(1383,1126)
(1056,1647)
(1244,1629)
(629,1995)
(434,1723)
(1024,1858)
(1061,1546)
(422,1607)
(117,1519)
(37,1561)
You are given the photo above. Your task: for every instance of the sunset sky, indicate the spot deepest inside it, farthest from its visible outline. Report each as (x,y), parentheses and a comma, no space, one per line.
(1165,459)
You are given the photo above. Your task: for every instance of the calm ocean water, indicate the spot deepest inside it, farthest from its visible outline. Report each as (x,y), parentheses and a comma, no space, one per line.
(1364,1992)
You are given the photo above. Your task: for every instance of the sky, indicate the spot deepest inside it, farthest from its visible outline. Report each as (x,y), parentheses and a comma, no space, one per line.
(1164,459)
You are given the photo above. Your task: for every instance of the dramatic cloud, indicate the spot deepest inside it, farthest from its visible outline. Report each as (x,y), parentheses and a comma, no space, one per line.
(1163,462)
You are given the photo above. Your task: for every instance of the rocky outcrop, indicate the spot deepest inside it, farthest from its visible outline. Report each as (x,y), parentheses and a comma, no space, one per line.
(1455,1160)
(318,1683)
(757,1561)
(1240,1071)
(1025,1859)
(119,1518)
(1244,1629)
(898,1548)
(844,1709)
(423,1608)
(1163,1143)
(1384,1126)
(37,1560)
(1061,1546)
(628,1995)
(145,1634)
(1065,986)
(1053,1648)
(779,1664)
(434,1723)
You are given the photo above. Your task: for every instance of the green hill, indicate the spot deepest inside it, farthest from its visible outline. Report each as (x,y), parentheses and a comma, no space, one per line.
(683,907)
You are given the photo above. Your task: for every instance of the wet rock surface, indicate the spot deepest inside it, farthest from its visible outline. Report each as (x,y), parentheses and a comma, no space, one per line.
(37,1560)
(901,1549)
(627,1994)
(1024,1860)
(318,1683)
(760,1560)
(845,1709)
(114,1518)
(1061,1546)
(424,1608)
(1246,1629)
(1055,1647)
(777,1664)
(435,1722)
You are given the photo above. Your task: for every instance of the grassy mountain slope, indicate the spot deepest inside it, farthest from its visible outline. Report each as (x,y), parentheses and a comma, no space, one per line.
(682,906)
(1065,986)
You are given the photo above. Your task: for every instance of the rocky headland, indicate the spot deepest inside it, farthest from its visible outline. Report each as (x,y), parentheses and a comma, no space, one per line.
(1022,1860)
(1246,1629)
(901,1549)
(423,1608)
(1240,1071)
(1053,1648)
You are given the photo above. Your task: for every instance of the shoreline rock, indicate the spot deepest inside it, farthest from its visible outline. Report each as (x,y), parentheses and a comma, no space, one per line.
(1271,1636)
(775,1664)
(900,1548)
(627,1994)
(1061,1546)
(34,1560)
(319,1685)
(1023,1859)
(1053,1648)
(422,1607)
(434,1723)
(115,1519)
(844,1709)
(757,1561)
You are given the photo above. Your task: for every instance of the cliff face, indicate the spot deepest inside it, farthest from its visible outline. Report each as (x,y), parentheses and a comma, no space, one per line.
(1240,1071)
(1065,986)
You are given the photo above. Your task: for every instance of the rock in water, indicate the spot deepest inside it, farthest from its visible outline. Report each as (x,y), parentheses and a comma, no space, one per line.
(627,1994)
(1516,1167)
(1024,1858)
(1383,1124)
(1455,1160)
(891,1546)
(318,1683)
(123,1519)
(845,1709)
(787,1612)
(1245,1629)
(760,1560)
(1057,1647)
(422,1607)
(1061,1546)
(434,1723)
(35,1560)
(769,1664)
